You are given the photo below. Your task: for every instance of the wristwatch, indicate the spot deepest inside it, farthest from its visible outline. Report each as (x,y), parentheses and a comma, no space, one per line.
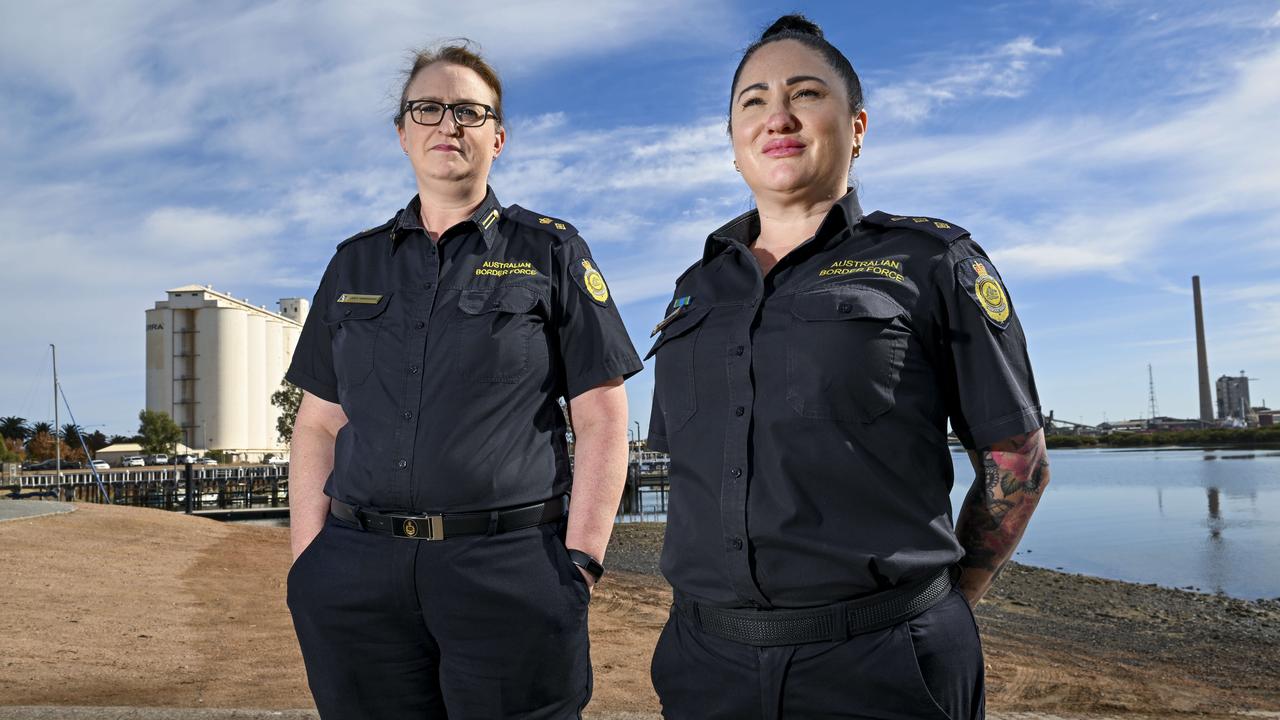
(588,563)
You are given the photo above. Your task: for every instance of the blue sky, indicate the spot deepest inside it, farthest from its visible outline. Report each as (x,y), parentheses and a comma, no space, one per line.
(1101,151)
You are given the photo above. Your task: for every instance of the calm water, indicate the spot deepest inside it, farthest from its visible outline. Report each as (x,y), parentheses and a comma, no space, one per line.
(1209,519)
(1204,519)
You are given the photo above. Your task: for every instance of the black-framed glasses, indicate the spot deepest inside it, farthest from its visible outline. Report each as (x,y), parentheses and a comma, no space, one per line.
(431,112)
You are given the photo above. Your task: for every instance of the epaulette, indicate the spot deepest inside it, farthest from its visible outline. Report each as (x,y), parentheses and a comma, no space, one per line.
(948,232)
(559,228)
(370,231)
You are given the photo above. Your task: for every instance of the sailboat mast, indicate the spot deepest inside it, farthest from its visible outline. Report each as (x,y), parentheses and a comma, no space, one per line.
(57,442)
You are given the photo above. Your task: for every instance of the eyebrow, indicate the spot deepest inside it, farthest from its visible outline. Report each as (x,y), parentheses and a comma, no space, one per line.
(790,81)
(442,101)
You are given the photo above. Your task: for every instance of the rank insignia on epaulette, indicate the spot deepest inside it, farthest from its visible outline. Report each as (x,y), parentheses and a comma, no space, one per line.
(544,221)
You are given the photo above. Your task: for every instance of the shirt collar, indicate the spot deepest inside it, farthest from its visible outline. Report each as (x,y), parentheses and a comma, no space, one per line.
(743,229)
(485,219)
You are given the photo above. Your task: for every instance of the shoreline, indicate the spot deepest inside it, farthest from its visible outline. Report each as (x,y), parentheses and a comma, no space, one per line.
(129,606)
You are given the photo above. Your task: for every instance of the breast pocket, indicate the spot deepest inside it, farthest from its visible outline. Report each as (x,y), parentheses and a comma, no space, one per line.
(354,329)
(845,349)
(495,331)
(675,372)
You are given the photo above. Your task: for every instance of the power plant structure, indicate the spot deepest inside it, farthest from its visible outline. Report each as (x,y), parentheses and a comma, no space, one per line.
(1202,355)
(213,362)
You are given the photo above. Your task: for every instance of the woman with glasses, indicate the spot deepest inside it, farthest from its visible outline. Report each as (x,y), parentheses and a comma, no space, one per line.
(806,371)
(440,570)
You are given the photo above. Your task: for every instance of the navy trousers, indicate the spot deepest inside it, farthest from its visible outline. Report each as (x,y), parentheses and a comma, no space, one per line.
(926,668)
(467,627)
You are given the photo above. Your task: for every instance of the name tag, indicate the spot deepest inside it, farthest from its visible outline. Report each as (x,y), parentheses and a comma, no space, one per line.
(359,299)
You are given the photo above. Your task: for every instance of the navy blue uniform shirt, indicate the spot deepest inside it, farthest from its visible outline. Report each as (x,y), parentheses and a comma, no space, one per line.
(806,410)
(449,358)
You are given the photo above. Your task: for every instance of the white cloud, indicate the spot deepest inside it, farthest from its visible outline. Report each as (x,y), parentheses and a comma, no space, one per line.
(1005,71)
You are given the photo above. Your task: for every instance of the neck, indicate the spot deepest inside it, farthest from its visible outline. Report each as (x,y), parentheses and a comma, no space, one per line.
(447,204)
(786,220)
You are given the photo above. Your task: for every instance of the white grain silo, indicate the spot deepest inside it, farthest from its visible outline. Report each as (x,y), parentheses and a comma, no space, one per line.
(213,362)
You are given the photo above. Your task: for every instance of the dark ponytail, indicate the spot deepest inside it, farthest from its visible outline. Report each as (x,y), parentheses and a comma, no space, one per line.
(803,30)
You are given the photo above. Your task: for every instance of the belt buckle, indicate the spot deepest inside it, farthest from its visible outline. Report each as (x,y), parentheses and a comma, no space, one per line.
(426,527)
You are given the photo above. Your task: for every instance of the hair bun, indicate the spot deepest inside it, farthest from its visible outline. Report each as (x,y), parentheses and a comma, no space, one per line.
(796,24)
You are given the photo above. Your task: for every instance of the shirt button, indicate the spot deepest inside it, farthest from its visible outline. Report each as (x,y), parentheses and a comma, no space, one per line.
(736,543)
(427,285)
(739,350)
(844,307)
(402,464)
(407,415)
(347,312)
(739,411)
(413,369)
(736,472)
(419,324)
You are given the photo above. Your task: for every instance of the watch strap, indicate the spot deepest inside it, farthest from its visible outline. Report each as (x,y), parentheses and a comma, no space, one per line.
(588,563)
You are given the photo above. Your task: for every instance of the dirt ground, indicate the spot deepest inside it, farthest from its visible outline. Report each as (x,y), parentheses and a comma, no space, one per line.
(126,606)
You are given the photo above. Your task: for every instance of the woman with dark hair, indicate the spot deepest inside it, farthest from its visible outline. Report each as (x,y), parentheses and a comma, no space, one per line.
(806,370)
(439,569)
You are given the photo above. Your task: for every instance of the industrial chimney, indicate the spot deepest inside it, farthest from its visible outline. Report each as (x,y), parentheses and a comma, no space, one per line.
(1202,355)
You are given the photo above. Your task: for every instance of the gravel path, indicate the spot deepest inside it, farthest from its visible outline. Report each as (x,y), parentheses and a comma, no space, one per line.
(18,509)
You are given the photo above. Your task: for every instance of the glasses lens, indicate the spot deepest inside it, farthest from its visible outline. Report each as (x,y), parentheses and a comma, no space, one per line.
(469,114)
(426,113)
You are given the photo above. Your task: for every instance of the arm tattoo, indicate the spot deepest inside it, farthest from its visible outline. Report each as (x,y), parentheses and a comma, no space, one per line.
(1014,472)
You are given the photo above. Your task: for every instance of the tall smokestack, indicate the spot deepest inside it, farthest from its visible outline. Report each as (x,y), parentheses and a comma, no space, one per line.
(1202,355)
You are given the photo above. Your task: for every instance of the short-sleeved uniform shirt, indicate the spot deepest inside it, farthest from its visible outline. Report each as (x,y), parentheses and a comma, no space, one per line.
(806,410)
(449,358)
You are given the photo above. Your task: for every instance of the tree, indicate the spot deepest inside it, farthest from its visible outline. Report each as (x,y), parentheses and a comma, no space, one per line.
(14,428)
(70,434)
(10,450)
(160,434)
(96,441)
(40,427)
(287,398)
(42,447)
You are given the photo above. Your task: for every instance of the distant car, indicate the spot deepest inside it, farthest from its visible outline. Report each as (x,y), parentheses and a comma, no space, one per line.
(101,465)
(206,461)
(158,459)
(133,461)
(52,464)
(185,459)
(277,461)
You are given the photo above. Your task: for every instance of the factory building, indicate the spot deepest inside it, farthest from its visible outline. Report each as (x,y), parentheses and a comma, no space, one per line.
(1233,397)
(213,362)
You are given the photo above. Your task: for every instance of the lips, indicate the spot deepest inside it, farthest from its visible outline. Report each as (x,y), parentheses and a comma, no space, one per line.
(783,147)
(446,148)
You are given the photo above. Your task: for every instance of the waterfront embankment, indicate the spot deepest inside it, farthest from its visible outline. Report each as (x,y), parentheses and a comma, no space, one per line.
(126,606)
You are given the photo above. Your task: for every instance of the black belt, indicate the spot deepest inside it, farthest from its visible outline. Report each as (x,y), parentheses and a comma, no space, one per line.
(446,525)
(838,621)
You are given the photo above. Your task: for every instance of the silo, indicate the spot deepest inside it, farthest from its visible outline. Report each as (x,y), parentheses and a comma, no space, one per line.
(160,359)
(274,375)
(257,396)
(223,367)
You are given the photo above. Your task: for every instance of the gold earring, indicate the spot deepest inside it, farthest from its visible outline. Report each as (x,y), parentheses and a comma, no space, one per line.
(857,150)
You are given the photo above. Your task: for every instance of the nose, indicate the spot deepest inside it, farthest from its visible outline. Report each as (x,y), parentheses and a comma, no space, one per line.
(449,125)
(782,121)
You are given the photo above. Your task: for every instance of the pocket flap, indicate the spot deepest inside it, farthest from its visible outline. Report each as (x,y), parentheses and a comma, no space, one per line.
(846,303)
(340,311)
(678,326)
(508,299)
